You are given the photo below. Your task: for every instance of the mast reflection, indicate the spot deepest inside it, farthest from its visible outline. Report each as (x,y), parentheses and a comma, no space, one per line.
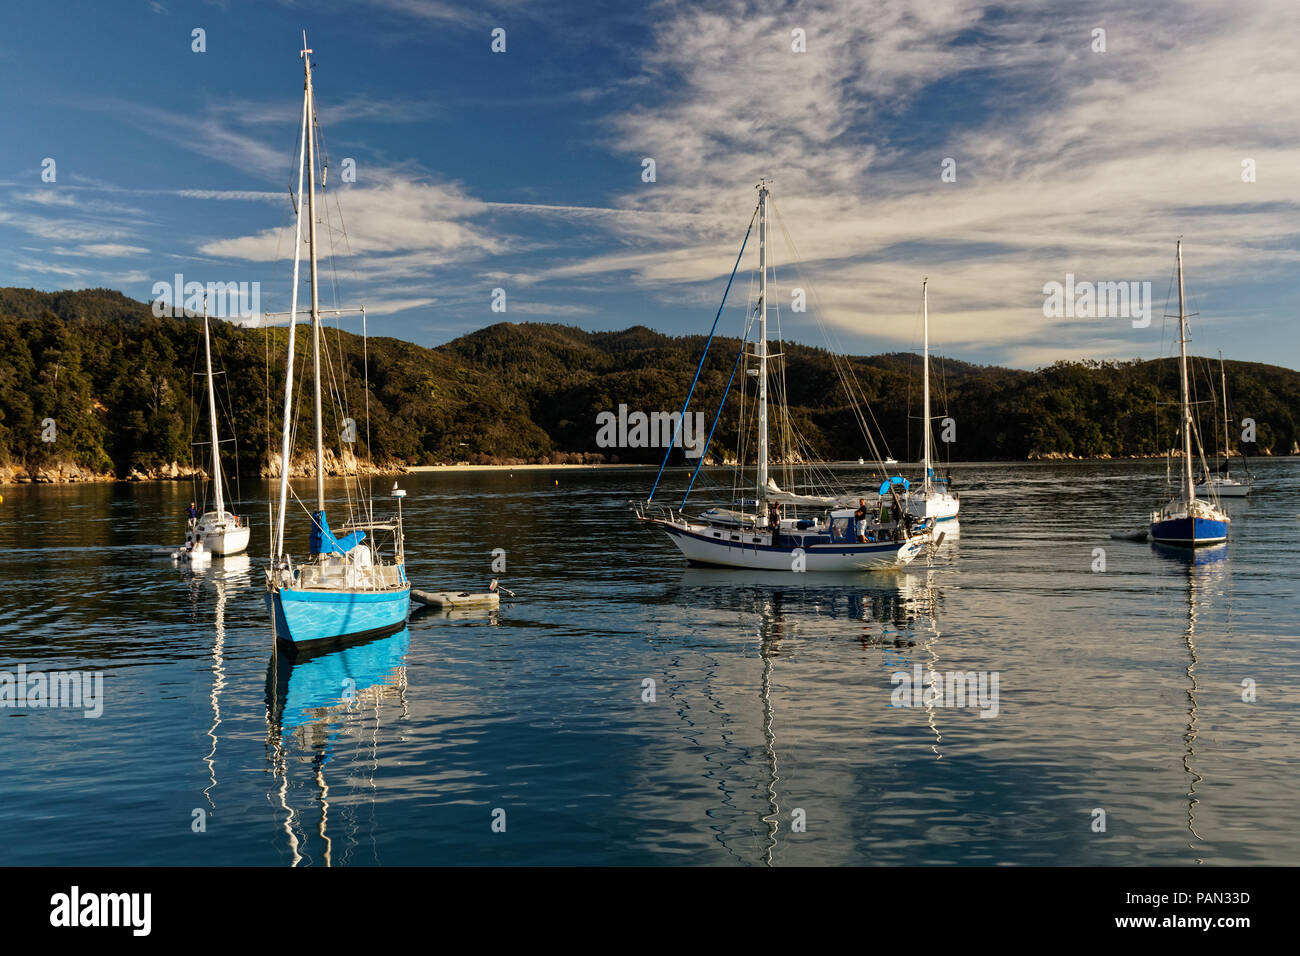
(1203,568)
(889,615)
(227,575)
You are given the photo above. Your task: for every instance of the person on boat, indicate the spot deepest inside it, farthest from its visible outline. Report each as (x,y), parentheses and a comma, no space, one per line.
(947,479)
(860,519)
(774,520)
(193,513)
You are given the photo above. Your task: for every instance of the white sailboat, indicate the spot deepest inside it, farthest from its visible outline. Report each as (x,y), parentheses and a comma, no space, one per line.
(1186,519)
(836,531)
(345,588)
(1221,483)
(936,500)
(217,532)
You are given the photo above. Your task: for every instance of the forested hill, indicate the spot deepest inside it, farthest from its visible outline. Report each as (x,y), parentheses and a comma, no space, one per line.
(119,383)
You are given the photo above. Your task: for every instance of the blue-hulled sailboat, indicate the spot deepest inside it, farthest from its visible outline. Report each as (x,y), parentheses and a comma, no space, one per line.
(1188,520)
(353,582)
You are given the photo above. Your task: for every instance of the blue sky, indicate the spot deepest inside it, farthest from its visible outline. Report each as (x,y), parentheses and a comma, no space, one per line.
(523,170)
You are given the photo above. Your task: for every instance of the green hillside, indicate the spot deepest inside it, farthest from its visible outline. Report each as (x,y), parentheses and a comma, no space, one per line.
(121,387)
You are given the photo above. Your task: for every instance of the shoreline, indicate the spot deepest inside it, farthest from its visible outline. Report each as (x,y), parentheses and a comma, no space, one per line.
(901,466)
(431,469)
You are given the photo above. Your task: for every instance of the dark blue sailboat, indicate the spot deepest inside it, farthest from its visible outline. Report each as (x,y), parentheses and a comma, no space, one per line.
(1187,520)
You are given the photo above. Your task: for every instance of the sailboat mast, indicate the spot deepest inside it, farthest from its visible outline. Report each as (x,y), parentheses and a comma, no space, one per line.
(1189,487)
(219,501)
(315,303)
(1227,422)
(762,343)
(925,376)
(286,452)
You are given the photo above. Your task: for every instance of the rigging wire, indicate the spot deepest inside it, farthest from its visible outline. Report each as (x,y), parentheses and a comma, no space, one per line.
(685,405)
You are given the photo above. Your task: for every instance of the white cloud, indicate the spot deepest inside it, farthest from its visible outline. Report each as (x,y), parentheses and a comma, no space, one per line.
(111,250)
(544,308)
(1067,160)
(388,224)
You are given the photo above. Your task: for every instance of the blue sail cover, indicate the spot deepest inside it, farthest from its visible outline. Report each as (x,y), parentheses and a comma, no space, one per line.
(896,480)
(323,540)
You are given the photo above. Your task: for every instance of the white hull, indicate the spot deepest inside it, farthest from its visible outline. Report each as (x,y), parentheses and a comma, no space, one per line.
(232,541)
(755,551)
(938,505)
(1229,488)
(221,535)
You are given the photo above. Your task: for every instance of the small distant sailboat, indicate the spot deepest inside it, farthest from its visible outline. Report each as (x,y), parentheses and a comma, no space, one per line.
(217,532)
(1221,482)
(935,500)
(1187,520)
(345,588)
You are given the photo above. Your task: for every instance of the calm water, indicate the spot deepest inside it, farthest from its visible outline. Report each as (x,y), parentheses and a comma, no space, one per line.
(1119,690)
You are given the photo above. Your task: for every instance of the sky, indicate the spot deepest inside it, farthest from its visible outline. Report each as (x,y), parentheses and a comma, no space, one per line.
(993,148)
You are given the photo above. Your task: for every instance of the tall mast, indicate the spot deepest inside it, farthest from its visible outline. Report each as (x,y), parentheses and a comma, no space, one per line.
(286,451)
(1227,422)
(762,342)
(925,376)
(219,500)
(315,304)
(1189,487)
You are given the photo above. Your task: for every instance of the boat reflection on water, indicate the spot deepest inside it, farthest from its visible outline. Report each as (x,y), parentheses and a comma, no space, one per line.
(1206,572)
(477,614)
(895,615)
(1213,556)
(316,702)
(891,609)
(230,571)
(227,574)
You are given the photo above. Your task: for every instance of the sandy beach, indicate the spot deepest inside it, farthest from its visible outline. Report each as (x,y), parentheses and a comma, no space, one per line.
(419,469)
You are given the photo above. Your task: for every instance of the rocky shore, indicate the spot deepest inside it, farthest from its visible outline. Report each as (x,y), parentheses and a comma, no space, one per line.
(1037,455)
(345,464)
(304,466)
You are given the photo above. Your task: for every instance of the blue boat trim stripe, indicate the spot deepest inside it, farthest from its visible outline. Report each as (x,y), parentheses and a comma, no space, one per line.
(891,546)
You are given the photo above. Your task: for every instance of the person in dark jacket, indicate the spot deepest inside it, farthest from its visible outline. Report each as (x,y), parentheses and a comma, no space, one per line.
(860,519)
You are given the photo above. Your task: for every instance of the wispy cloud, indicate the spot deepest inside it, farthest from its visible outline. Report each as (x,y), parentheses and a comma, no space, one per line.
(1083,161)
(110,250)
(545,308)
(388,222)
